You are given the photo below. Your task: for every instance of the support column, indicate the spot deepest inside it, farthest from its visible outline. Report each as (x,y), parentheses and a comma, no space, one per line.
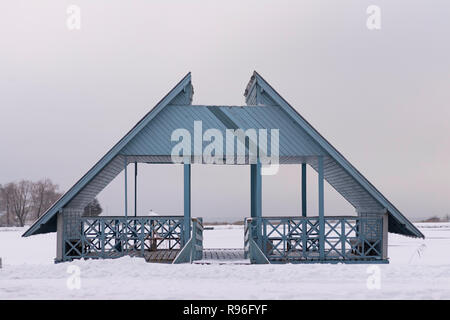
(256,198)
(255,190)
(303,189)
(60,243)
(126,186)
(258,190)
(187,201)
(252,190)
(385,223)
(321,210)
(135,189)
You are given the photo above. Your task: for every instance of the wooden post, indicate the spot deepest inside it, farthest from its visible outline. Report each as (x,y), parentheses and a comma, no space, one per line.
(256,196)
(59,236)
(187,201)
(135,188)
(321,211)
(385,223)
(255,190)
(258,190)
(125,163)
(252,190)
(303,189)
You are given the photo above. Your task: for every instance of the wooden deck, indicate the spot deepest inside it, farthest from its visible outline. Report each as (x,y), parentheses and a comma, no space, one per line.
(297,256)
(223,256)
(228,256)
(161,256)
(210,256)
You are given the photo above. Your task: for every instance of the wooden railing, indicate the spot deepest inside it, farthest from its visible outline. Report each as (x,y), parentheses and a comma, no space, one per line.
(246,237)
(193,250)
(112,237)
(252,250)
(296,239)
(197,235)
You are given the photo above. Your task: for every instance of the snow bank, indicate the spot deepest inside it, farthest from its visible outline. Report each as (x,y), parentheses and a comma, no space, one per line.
(419,269)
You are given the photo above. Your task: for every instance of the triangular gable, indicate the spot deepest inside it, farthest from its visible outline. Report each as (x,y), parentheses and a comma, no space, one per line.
(180,94)
(260,90)
(154,140)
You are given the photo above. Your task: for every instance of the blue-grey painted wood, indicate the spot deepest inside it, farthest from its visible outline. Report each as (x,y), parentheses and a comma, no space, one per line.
(252,250)
(184,97)
(255,95)
(40,225)
(255,190)
(149,141)
(114,237)
(347,186)
(348,239)
(98,183)
(155,138)
(193,250)
(135,187)
(321,210)
(401,225)
(126,186)
(187,200)
(256,195)
(304,189)
(258,189)
(256,256)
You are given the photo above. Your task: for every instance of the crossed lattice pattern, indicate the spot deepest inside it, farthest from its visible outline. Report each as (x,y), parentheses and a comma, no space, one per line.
(353,238)
(109,237)
(290,238)
(344,238)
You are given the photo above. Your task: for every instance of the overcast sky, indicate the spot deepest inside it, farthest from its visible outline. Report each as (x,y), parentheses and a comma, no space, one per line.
(381,97)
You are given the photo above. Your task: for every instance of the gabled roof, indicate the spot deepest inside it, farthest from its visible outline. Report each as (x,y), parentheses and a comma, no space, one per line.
(222,118)
(344,174)
(181,93)
(149,141)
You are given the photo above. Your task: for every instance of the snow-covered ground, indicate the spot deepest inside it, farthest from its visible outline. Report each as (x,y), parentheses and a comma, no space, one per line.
(418,269)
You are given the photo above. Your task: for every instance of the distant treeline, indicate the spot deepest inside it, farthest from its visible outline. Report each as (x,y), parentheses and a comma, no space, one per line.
(25,201)
(437,219)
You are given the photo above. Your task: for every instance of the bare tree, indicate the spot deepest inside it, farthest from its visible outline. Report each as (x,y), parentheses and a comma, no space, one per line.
(2,204)
(6,193)
(26,200)
(21,200)
(93,209)
(3,207)
(43,194)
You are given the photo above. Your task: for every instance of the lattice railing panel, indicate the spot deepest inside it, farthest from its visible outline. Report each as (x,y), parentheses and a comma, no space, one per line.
(110,237)
(298,238)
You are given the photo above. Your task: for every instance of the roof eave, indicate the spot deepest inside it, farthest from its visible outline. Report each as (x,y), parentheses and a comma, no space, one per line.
(256,77)
(114,151)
